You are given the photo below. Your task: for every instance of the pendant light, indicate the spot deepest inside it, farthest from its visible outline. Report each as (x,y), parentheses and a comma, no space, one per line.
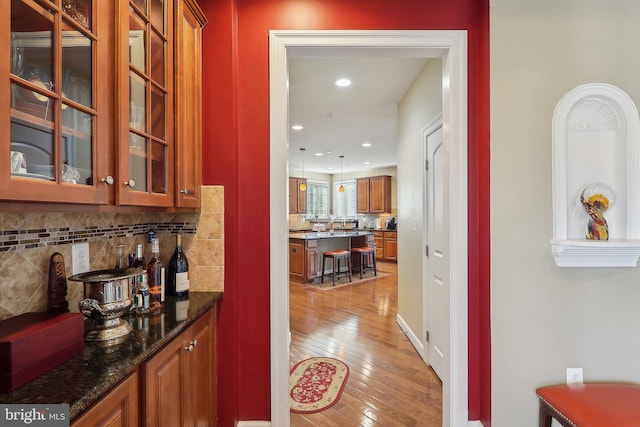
(303,184)
(341,189)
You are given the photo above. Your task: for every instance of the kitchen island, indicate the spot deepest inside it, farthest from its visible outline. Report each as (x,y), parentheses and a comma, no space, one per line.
(306,248)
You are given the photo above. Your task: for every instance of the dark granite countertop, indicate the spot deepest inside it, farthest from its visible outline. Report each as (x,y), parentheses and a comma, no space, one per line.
(83,379)
(312,235)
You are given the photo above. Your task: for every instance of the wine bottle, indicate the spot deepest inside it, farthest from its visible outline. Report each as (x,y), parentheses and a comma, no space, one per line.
(156,274)
(143,298)
(178,271)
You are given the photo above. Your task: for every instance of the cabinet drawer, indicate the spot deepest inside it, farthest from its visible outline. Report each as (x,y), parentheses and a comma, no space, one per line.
(390,235)
(378,233)
(312,243)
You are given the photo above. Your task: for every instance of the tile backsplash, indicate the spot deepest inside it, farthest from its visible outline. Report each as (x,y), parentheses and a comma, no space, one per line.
(27,241)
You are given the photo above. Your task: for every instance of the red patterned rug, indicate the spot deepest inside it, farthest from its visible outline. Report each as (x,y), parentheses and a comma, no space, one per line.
(316,384)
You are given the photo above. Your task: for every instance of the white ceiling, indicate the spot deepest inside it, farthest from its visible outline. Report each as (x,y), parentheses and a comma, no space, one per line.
(338,120)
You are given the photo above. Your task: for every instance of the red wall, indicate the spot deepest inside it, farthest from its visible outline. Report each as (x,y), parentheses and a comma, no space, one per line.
(236,155)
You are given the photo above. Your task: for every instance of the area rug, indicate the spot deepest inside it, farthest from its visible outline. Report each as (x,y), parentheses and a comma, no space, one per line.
(316,384)
(343,281)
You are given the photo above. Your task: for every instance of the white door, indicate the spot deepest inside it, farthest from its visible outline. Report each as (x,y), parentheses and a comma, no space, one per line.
(438,257)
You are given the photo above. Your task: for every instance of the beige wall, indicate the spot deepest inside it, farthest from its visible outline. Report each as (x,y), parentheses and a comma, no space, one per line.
(34,237)
(419,107)
(545,318)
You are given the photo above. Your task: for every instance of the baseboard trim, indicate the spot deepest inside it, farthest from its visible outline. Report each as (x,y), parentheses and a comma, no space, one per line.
(413,338)
(253,424)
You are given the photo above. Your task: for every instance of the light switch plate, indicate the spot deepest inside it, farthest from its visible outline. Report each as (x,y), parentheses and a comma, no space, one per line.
(574,376)
(80,258)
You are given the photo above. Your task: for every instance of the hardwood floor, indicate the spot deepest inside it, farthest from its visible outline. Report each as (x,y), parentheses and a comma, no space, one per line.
(389,384)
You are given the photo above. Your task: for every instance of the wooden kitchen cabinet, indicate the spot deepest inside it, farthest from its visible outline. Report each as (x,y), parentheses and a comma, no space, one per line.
(303,260)
(118,408)
(374,194)
(297,197)
(190,19)
(145,93)
(56,101)
(386,245)
(391,245)
(179,381)
(378,237)
(82,141)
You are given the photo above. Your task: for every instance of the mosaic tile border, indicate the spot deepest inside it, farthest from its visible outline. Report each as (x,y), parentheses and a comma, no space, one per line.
(42,237)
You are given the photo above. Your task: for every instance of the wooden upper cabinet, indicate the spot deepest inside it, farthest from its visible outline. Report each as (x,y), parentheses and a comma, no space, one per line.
(374,194)
(145,96)
(380,194)
(297,197)
(363,195)
(188,68)
(55,101)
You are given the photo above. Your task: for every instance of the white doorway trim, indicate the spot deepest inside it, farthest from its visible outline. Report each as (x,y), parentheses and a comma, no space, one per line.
(451,46)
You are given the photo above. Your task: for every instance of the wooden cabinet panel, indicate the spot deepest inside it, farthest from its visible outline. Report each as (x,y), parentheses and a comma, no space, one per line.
(56,102)
(163,388)
(363,195)
(374,194)
(179,386)
(378,237)
(118,408)
(297,197)
(391,245)
(303,260)
(201,380)
(145,90)
(188,174)
(296,260)
(311,268)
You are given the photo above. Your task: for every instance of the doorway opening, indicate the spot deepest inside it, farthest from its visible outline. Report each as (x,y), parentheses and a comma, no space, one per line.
(451,47)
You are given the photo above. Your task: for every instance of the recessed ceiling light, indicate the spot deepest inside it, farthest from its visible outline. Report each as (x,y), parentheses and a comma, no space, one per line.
(366,144)
(343,82)
(319,154)
(297,127)
(367,163)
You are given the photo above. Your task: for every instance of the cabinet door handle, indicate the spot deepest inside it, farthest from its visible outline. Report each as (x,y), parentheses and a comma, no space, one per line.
(131,183)
(108,180)
(191,345)
(186,191)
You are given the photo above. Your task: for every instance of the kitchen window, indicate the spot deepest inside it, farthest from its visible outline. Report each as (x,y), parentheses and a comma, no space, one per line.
(345,204)
(318,198)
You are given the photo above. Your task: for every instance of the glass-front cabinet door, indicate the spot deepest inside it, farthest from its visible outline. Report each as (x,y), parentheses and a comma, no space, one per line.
(56,129)
(145,119)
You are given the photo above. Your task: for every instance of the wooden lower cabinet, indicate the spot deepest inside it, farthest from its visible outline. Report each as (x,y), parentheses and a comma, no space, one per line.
(118,408)
(179,381)
(303,260)
(391,245)
(386,245)
(378,237)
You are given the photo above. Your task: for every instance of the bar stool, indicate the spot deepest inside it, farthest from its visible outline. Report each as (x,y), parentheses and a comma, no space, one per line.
(365,254)
(590,405)
(336,257)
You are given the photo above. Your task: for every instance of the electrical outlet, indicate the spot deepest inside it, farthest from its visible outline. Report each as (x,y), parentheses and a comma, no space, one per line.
(574,376)
(80,258)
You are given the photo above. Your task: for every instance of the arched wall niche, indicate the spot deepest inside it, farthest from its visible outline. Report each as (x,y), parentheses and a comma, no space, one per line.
(596,138)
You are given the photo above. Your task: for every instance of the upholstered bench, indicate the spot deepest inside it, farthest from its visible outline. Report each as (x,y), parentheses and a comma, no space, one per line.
(590,405)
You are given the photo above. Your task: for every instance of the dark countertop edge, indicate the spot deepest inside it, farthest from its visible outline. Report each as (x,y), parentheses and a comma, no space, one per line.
(308,230)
